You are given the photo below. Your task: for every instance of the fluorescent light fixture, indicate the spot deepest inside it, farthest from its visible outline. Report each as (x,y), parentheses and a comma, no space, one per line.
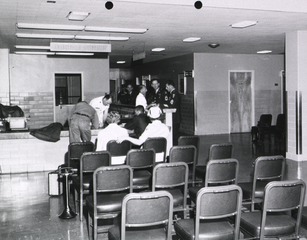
(50,26)
(244,24)
(191,39)
(264,51)
(77,16)
(49,36)
(113,29)
(157,49)
(34,53)
(121,62)
(74,53)
(213,45)
(32,47)
(101,38)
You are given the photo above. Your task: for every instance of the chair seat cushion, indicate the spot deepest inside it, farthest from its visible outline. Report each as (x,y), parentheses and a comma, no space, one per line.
(213,230)
(193,192)
(276,224)
(200,171)
(87,181)
(304,217)
(247,189)
(141,177)
(106,203)
(177,197)
(138,234)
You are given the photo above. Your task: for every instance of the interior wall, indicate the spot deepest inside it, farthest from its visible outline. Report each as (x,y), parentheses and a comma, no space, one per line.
(211,87)
(32,82)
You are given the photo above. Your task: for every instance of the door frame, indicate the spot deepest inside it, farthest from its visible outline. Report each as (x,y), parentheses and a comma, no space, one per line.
(252,96)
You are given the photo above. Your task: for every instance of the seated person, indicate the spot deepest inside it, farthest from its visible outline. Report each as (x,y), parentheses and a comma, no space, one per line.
(112,132)
(154,129)
(139,122)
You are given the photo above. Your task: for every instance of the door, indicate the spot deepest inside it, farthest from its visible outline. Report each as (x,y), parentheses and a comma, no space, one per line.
(241,105)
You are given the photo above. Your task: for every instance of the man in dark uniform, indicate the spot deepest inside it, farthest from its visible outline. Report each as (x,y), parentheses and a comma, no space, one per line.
(130,95)
(139,122)
(157,94)
(82,115)
(172,100)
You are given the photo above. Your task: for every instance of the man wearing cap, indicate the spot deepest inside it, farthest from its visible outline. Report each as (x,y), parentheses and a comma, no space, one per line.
(154,129)
(82,115)
(101,105)
(112,132)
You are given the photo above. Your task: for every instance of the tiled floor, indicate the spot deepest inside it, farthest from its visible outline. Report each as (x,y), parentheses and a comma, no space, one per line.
(28,213)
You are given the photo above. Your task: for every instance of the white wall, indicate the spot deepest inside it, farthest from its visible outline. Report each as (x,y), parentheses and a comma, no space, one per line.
(211,87)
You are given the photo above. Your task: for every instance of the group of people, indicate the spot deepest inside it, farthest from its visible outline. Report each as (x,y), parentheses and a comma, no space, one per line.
(146,122)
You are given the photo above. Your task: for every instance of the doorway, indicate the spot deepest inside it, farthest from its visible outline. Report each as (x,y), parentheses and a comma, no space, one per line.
(241,101)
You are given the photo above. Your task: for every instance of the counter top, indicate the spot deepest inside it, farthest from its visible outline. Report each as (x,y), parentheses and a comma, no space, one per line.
(26,134)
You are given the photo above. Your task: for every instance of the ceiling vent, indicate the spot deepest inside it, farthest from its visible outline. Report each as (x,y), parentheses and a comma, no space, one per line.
(80,47)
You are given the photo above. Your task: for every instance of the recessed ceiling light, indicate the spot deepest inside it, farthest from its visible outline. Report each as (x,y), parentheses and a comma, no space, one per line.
(121,62)
(157,49)
(101,38)
(213,45)
(50,36)
(50,26)
(244,24)
(32,47)
(191,39)
(35,53)
(264,51)
(74,53)
(113,29)
(77,16)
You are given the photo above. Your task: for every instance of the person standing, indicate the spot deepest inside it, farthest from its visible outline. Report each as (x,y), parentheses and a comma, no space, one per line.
(130,96)
(141,97)
(112,132)
(101,105)
(139,122)
(172,100)
(157,95)
(82,116)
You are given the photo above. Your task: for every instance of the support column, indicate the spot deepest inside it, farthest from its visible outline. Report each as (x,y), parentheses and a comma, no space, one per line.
(296,87)
(4,77)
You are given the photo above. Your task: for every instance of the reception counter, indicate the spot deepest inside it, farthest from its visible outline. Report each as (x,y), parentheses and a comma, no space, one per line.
(22,152)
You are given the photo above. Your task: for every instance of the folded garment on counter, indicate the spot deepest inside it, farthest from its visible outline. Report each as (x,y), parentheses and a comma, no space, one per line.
(50,133)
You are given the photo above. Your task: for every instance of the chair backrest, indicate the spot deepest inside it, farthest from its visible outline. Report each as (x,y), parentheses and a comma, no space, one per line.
(159,145)
(145,210)
(112,179)
(222,172)
(281,123)
(141,158)
(216,203)
(170,175)
(75,151)
(283,196)
(90,161)
(269,168)
(185,154)
(220,151)
(189,140)
(265,120)
(118,151)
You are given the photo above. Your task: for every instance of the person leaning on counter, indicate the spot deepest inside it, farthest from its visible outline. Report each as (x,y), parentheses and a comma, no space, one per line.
(101,105)
(82,116)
